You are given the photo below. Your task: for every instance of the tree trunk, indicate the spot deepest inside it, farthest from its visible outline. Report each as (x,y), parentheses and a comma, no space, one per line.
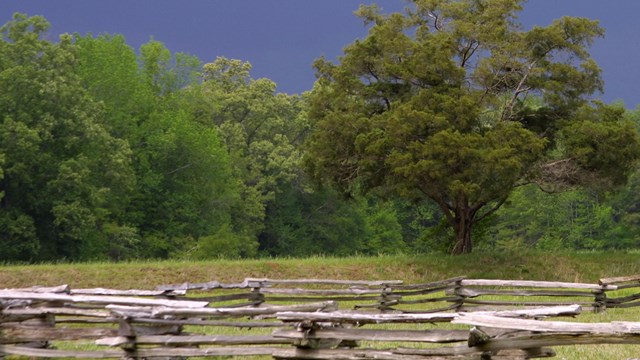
(461,216)
(462,226)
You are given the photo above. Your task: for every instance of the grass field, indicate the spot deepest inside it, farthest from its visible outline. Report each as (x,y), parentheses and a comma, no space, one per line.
(572,267)
(533,265)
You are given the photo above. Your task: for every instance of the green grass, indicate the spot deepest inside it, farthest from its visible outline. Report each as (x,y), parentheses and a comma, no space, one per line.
(601,351)
(530,265)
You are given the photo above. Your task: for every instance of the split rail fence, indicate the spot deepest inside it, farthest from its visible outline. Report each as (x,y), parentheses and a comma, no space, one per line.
(314,319)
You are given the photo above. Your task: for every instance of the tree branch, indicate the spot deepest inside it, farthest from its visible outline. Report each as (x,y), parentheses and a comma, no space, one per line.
(437,23)
(446,208)
(178,169)
(508,110)
(492,210)
(469,51)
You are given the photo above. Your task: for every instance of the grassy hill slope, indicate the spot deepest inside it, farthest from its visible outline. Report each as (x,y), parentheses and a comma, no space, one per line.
(573,267)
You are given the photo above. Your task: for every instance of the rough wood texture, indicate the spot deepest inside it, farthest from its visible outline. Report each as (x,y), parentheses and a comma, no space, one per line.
(628,286)
(429,336)
(352,291)
(496,303)
(616,327)
(271,298)
(438,310)
(622,300)
(210,351)
(429,300)
(625,305)
(244,311)
(556,339)
(151,352)
(57,311)
(199,286)
(116,292)
(364,318)
(21,295)
(45,289)
(194,340)
(141,325)
(434,284)
(569,310)
(620,279)
(338,354)
(425,291)
(469,292)
(323,281)
(230,297)
(220,323)
(371,318)
(534,284)
(465,352)
(366,354)
(13,335)
(51,353)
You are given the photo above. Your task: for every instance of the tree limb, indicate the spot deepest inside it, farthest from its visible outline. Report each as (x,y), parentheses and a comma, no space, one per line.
(492,210)
(178,169)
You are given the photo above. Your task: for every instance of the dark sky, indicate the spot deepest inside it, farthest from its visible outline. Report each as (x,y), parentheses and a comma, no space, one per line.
(281,38)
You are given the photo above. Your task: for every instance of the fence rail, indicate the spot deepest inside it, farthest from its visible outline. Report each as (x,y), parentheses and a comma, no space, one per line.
(313,319)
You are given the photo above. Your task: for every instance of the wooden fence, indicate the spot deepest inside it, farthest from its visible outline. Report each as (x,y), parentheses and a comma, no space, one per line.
(313,319)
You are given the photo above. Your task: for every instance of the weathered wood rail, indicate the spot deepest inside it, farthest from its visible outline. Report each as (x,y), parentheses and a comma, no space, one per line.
(312,319)
(459,294)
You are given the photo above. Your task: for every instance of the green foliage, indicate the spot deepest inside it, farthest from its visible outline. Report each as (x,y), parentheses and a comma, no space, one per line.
(225,244)
(109,154)
(64,175)
(301,223)
(318,222)
(575,219)
(260,129)
(109,71)
(384,232)
(434,105)
(165,73)
(18,236)
(186,188)
(594,141)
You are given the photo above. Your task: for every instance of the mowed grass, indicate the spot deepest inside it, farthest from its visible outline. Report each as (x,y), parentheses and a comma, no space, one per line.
(528,265)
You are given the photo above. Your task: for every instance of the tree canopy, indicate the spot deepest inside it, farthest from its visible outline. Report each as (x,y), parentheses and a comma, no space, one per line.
(454,102)
(64,175)
(434,120)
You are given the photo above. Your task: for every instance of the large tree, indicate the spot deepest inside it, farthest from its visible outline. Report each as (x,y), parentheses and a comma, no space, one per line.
(453,102)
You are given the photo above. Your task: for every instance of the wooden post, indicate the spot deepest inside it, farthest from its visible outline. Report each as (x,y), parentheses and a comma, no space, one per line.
(256,297)
(458,291)
(129,330)
(126,330)
(600,301)
(34,324)
(384,299)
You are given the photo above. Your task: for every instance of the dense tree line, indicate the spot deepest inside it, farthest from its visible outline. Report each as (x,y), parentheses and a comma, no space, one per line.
(112,153)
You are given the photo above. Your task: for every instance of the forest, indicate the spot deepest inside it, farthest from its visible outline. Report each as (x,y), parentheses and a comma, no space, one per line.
(110,153)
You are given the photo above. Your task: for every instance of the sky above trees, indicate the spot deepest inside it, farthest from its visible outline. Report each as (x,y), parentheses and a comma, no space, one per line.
(281,38)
